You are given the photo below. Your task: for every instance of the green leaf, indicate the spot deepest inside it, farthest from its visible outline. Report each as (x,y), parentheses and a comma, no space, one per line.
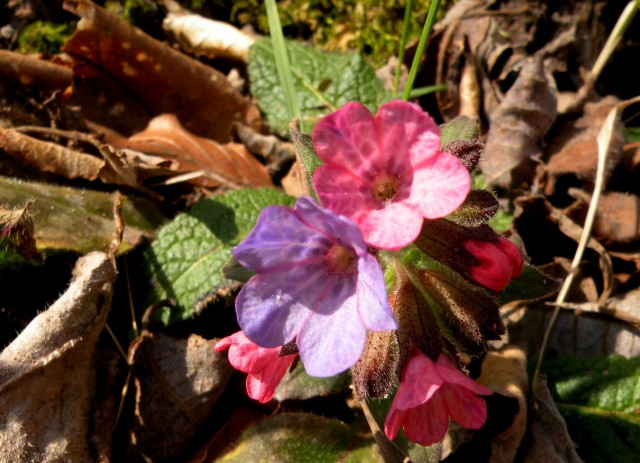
(302,438)
(531,284)
(323,82)
(298,385)
(80,220)
(186,260)
(599,399)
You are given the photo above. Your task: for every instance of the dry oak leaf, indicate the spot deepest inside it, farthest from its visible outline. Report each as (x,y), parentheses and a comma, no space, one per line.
(203,161)
(166,80)
(48,375)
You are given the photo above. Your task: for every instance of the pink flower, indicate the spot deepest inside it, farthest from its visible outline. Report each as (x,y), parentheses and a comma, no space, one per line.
(428,395)
(386,173)
(265,367)
(499,262)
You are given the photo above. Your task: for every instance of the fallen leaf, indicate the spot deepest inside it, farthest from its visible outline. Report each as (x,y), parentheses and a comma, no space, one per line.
(177,381)
(80,220)
(617,218)
(574,151)
(518,125)
(17,231)
(505,373)
(48,375)
(208,162)
(547,438)
(21,69)
(50,157)
(166,80)
(203,36)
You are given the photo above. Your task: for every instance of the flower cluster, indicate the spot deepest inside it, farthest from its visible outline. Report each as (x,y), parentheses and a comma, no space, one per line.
(389,198)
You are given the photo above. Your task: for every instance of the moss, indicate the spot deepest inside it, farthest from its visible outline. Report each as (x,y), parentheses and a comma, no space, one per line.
(44,37)
(371,27)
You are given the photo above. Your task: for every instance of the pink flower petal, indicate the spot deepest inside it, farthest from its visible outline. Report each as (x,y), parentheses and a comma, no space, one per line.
(406,128)
(343,190)
(440,185)
(262,385)
(464,406)
(348,137)
(428,424)
(394,227)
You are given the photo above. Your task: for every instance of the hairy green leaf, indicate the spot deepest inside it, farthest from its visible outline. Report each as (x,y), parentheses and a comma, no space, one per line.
(599,399)
(186,260)
(298,385)
(302,438)
(531,284)
(73,219)
(323,82)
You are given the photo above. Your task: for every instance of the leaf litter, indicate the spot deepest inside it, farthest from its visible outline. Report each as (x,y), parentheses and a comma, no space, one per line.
(122,110)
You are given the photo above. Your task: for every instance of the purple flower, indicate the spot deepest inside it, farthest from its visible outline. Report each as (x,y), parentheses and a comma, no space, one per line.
(315,283)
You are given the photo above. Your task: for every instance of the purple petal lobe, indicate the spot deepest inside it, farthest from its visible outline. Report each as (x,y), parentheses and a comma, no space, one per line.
(329,345)
(269,317)
(373,305)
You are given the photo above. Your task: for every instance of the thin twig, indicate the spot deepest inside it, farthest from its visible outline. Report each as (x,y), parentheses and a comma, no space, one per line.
(604,139)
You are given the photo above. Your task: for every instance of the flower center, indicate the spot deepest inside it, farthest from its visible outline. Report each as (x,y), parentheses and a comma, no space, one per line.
(340,259)
(385,187)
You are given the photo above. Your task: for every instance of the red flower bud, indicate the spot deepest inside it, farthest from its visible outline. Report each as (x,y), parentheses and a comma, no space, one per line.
(499,262)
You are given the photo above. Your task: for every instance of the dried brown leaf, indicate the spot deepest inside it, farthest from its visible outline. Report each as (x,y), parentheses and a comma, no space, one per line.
(617,219)
(217,165)
(177,384)
(50,157)
(18,233)
(505,373)
(518,125)
(28,70)
(203,36)
(574,151)
(164,79)
(48,374)
(547,439)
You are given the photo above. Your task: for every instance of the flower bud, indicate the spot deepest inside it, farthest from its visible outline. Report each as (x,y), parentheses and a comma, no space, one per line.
(499,262)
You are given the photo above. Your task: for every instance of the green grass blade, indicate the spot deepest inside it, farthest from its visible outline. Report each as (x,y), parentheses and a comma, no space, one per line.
(406,28)
(282,58)
(422,44)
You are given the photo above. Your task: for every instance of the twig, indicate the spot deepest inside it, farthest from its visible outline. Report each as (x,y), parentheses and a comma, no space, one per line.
(604,139)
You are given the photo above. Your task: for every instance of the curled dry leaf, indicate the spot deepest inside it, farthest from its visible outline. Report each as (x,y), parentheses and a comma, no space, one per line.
(518,125)
(29,70)
(617,219)
(17,231)
(208,37)
(574,151)
(505,373)
(212,164)
(50,157)
(166,80)
(177,383)
(547,438)
(48,374)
